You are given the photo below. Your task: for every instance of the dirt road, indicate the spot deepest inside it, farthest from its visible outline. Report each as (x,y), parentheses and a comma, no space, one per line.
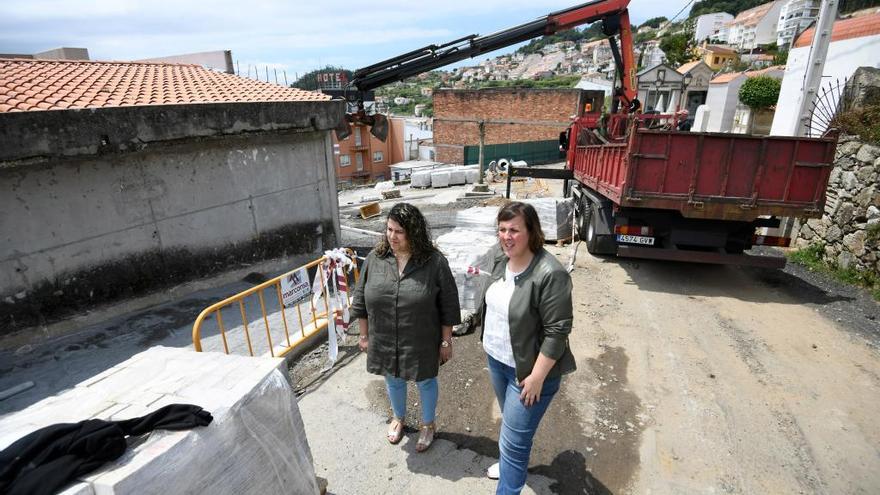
(693,379)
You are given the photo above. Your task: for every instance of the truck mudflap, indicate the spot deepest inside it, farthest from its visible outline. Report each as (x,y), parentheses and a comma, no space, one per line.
(701,257)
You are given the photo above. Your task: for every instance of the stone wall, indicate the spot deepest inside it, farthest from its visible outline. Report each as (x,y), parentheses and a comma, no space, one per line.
(850,227)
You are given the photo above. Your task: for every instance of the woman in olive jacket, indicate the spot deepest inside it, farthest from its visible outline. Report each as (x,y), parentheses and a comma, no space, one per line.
(406,304)
(527,317)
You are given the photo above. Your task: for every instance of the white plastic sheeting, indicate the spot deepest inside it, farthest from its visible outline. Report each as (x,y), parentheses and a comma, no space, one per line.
(440,179)
(470,245)
(422,178)
(555,216)
(255,445)
(457,176)
(472,175)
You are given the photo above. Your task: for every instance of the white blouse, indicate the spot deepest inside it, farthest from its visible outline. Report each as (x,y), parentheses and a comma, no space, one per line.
(496,328)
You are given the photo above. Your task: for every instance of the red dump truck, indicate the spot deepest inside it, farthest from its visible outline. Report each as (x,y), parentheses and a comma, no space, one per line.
(644,190)
(642,187)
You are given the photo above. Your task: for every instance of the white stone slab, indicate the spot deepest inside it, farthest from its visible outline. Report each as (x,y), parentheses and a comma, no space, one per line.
(256,443)
(440,179)
(457,176)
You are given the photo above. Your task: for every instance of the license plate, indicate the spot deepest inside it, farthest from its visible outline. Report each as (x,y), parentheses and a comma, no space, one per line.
(635,239)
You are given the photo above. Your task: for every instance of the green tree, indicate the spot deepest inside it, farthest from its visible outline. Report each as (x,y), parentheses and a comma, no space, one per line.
(732,7)
(679,48)
(759,92)
(654,22)
(309,81)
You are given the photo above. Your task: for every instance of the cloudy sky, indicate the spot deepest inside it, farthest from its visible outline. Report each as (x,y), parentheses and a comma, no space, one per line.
(292,36)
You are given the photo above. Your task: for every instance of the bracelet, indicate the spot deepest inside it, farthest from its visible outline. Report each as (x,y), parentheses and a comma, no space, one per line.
(363,337)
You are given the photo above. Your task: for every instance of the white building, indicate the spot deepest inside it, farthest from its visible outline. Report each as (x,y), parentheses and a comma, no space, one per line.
(794,17)
(710,26)
(652,54)
(756,26)
(855,42)
(723,97)
(597,83)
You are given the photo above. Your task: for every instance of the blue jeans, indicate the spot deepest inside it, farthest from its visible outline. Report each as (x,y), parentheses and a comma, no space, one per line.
(518,424)
(428,392)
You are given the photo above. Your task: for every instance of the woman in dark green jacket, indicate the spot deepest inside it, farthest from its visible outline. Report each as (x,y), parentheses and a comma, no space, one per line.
(527,317)
(406,304)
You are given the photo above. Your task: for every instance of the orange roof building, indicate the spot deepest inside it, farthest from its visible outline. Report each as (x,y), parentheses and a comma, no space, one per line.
(29,85)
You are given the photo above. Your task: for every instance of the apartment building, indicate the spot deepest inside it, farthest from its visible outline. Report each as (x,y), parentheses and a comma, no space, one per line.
(711,26)
(795,16)
(756,26)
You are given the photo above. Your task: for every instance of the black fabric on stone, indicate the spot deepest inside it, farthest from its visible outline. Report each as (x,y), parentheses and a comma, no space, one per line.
(43,462)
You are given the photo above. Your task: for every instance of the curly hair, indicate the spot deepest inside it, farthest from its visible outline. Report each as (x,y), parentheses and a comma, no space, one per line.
(417,232)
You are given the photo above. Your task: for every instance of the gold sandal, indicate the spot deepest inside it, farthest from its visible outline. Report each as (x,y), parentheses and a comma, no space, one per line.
(426,437)
(395,431)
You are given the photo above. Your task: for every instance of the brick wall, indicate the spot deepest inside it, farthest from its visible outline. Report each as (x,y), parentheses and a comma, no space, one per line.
(511,116)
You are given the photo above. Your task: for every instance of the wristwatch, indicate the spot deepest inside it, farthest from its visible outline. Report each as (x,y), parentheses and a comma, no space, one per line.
(445,343)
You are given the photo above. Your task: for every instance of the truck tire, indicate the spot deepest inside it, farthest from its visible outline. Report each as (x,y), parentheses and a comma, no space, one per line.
(584,213)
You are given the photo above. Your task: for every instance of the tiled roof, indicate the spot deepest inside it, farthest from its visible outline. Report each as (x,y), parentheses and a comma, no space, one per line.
(726,77)
(730,76)
(688,66)
(720,50)
(27,85)
(753,15)
(855,27)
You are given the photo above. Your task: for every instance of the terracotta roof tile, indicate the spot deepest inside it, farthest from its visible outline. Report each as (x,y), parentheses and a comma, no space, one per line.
(855,27)
(688,66)
(28,85)
(753,15)
(724,78)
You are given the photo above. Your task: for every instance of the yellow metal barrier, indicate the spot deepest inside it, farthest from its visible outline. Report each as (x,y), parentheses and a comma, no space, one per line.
(318,322)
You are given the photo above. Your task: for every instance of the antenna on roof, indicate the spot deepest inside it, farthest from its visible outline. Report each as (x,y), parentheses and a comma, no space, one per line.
(267,73)
(284,71)
(237,69)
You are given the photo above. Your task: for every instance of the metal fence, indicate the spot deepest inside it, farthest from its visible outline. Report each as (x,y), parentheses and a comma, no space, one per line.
(278,329)
(533,152)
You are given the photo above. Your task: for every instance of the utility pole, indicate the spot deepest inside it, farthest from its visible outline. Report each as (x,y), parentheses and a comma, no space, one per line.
(481,186)
(815,64)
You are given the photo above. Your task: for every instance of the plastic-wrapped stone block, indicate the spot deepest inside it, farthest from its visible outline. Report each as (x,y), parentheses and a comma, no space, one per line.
(465,248)
(256,443)
(472,175)
(555,216)
(440,178)
(457,176)
(421,178)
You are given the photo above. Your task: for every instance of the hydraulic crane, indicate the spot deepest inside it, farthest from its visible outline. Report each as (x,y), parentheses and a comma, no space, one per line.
(615,24)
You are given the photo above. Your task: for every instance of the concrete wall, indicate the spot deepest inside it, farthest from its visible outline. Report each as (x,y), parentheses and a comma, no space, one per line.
(844,57)
(721,101)
(96,205)
(511,116)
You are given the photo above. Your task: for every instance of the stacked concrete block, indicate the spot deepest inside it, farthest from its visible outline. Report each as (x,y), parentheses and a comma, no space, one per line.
(555,216)
(457,176)
(472,175)
(440,178)
(470,245)
(421,178)
(256,443)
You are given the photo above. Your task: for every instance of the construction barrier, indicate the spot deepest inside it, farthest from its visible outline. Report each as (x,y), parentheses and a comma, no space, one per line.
(326,294)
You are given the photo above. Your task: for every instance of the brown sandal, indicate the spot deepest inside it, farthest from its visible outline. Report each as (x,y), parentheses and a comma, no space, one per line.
(395,431)
(426,437)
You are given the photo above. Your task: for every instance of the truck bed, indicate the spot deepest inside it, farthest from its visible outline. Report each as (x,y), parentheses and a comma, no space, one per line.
(710,175)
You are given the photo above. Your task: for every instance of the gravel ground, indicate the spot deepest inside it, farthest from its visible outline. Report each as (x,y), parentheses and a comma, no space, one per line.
(683,383)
